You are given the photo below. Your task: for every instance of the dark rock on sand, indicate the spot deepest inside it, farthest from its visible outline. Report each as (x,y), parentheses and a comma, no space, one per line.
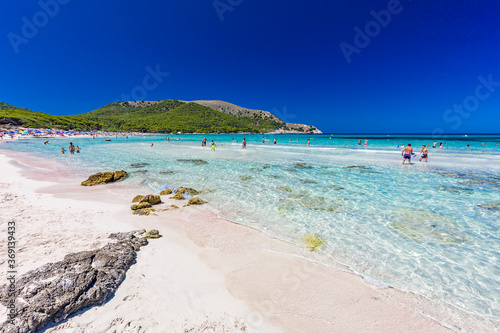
(137,198)
(144,211)
(193,161)
(166,192)
(187,190)
(141,205)
(153,233)
(54,291)
(104,178)
(181,193)
(195,201)
(152,199)
(177,196)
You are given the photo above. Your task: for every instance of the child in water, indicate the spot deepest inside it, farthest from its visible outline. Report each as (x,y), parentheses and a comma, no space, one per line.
(213,146)
(62,150)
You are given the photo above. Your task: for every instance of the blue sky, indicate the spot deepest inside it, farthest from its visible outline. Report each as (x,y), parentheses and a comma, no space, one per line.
(417,66)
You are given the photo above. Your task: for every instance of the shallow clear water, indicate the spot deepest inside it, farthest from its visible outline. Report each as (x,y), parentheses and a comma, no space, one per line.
(432,228)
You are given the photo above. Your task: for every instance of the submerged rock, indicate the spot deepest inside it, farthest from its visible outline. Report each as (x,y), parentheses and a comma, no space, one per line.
(454,189)
(139,165)
(284,189)
(193,161)
(299,165)
(166,192)
(360,167)
(137,198)
(255,169)
(491,206)
(140,171)
(245,178)
(426,226)
(482,182)
(195,201)
(308,181)
(104,178)
(313,241)
(54,291)
(166,172)
(274,176)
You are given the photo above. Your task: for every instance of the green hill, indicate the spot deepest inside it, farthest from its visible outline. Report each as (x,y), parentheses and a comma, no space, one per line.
(173,116)
(168,116)
(16,116)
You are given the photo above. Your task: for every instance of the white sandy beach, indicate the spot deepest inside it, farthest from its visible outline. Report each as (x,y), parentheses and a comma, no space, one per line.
(204,275)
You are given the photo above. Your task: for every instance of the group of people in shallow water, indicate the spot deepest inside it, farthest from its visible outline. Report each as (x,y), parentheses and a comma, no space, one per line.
(71,149)
(407,153)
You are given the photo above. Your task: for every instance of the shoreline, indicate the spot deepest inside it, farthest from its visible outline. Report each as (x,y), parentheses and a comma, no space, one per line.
(296,294)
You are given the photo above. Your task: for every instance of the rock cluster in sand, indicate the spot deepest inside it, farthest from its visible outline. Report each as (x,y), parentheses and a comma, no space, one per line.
(56,290)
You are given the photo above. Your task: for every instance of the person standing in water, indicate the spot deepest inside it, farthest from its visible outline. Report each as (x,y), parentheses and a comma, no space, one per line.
(366,142)
(359,142)
(275,142)
(406,153)
(308,142)
(213,146)
(71,148)
(424,153)
(77,150)
(62,150)
(434,144)
(244,144)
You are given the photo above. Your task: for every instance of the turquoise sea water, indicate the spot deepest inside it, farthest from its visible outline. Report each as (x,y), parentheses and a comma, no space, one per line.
(432,228)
